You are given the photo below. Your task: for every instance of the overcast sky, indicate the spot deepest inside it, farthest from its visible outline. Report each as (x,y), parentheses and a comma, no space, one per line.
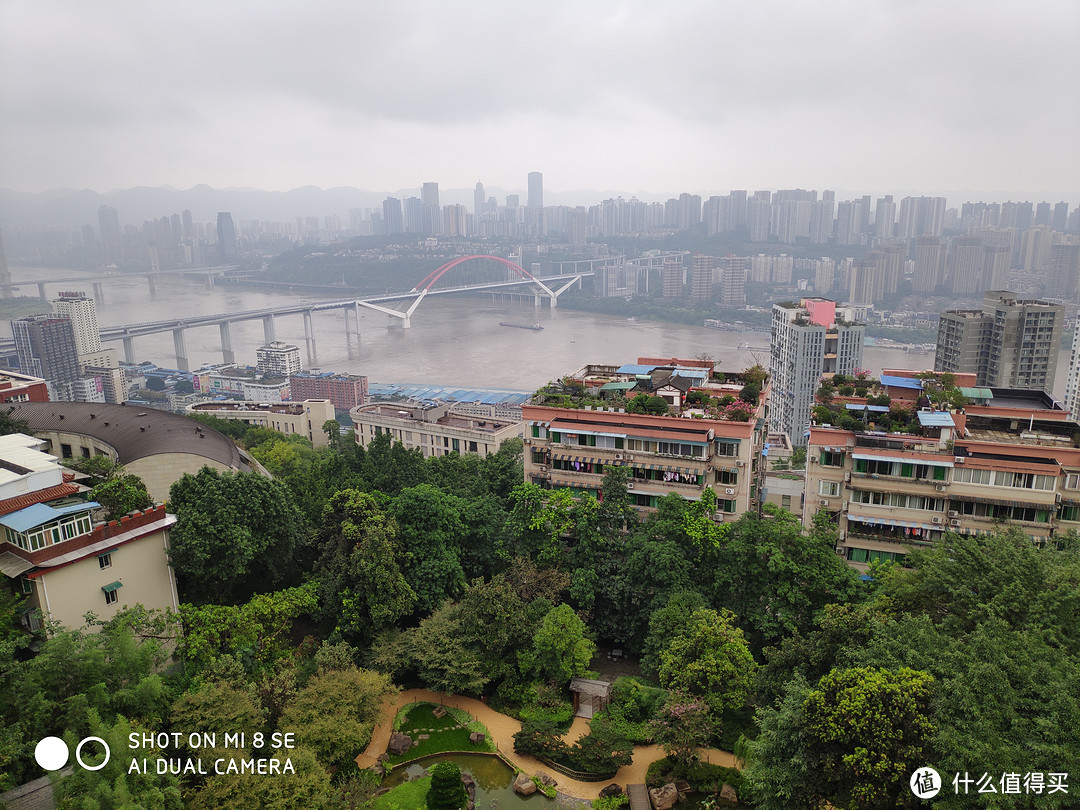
(659,96)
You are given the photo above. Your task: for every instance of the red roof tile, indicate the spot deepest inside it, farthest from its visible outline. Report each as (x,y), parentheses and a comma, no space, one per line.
(41,496)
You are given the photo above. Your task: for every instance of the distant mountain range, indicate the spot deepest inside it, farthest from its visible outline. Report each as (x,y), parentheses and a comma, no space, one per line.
(75,208)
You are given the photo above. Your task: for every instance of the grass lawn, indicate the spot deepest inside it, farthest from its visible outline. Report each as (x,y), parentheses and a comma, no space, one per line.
(406,796)
(447,733)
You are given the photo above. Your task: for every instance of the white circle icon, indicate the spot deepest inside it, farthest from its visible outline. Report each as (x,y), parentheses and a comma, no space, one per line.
(51,753)
(104,762)
(925,783)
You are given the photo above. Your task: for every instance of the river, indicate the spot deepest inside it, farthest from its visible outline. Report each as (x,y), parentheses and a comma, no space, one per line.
(453,340)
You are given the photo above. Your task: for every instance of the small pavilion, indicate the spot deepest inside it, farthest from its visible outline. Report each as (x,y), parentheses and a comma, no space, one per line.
(590,696)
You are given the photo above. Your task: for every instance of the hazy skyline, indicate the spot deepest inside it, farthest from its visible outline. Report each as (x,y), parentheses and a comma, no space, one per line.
(915,97)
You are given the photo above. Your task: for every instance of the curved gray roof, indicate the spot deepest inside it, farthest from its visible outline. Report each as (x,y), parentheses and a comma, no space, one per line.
(134,432)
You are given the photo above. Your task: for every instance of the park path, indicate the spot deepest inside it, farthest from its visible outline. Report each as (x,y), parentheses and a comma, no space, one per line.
(503,728)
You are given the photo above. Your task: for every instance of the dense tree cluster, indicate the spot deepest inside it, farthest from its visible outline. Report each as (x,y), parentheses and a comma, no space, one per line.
(452,574)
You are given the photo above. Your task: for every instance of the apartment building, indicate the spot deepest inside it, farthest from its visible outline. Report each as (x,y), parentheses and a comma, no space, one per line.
(434,428)
(1002,457)
(291,418)
(703,437)
(52,552)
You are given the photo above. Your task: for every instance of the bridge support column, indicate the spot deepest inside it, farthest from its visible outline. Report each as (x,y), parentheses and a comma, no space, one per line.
(268,328)
(356,314)
(153,290)
(227,353)
(41,291)
(129,350)
(182,362)
(309,337)
(99,292)
(209,281)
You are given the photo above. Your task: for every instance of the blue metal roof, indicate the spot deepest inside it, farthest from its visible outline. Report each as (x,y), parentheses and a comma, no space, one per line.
(936,419)
(901,382)
(33,516)
(854,406)
(635,368)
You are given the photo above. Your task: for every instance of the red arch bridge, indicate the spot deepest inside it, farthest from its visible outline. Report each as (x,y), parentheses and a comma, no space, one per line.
(463,274)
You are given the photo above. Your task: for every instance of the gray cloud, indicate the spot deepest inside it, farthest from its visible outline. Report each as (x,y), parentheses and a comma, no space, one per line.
(667,96)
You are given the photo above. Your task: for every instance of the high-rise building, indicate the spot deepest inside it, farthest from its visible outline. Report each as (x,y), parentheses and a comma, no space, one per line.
(393,219)
(809,338)
(921,216)
(1072,382)
(81,311)
(672,274)
(701,269)
(967,265)
(414,215)
(109,225)
(226,234)
(536,190)
(1060,219)
(733,281)
(1011,343)
(45,345)
(929,271)
(432,211)
(278,359)
(885,217)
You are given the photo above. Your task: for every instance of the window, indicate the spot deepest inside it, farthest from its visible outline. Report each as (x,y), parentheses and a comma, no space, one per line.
(830,489)
(785,502)
(730,449)
(105,561)
(65,451)
(1070,513)
(472,447)
(110,597)
(1072,481)
(85,452)
(832,459)
(26,585)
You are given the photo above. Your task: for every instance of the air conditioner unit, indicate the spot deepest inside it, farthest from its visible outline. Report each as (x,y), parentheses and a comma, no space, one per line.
(630,485)
(954,522)
(740,463)
(959,459)
(729,491)
(939,487)
(618,456)
(543,468)
(953,513)
(823,502)
(937,519)
(718,517)
(528,440)
(629,457)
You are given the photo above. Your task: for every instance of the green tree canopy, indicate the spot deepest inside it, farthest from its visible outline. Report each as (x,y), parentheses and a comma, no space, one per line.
(236,534)
(447,791)
(561,650)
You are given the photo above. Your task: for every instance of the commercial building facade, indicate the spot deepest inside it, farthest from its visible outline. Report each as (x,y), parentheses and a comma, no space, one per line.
(346,391)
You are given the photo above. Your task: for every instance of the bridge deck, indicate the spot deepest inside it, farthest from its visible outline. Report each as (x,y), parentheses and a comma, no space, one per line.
(639,797)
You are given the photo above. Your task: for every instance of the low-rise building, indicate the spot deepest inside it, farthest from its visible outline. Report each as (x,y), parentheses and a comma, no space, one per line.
(435,428)
(52,552)
(155,445)
(291,418)
(898,476)
(346,391)
(16,387)
(705,437)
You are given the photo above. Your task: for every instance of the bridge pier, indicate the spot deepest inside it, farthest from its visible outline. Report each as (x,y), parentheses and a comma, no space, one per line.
(182,362)
(209,281)
(99,292)
(41,291)
(227,353)
(153,290)
(129,350)
(356,314)
(269,333)
(309,338)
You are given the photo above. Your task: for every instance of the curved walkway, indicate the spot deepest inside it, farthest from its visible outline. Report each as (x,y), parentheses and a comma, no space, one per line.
(503,729)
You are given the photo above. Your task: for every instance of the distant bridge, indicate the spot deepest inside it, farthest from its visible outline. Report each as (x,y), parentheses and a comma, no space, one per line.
(7,286)
(506,275)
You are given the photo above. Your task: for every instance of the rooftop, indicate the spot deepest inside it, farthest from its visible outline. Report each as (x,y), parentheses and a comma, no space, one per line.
(291,408)
(133,432)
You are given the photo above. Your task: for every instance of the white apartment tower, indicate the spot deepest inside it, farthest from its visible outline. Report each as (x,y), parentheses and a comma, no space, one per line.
(80,310)
(809,338)
(278,359)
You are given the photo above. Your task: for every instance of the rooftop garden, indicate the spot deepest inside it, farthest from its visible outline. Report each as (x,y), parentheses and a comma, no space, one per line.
(737,401)
(939,391)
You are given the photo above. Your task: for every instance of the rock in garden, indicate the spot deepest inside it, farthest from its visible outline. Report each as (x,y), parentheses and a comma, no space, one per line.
(664,798)
(546,779)
(611,790)
(728,792)
(423,736)
(400,743)
(439,711)
(523,785)
(476,738)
